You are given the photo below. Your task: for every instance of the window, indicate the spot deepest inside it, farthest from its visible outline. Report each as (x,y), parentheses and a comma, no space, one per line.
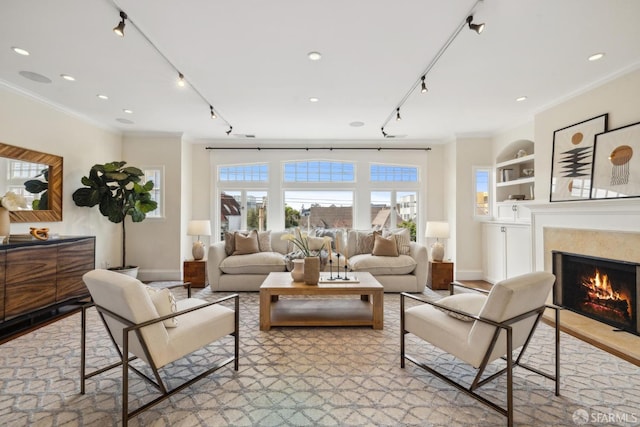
(318,209)
(481,187)
(243,210)
(258,172)
(403,214)
(319,171)
(390,173)
(155,175)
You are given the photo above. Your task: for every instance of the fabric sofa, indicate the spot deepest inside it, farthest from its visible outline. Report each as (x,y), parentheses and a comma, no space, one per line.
(404,273)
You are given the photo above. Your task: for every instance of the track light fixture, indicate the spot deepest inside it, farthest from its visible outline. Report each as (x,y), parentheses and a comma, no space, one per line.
(119,29)
(421,80)
(478,28)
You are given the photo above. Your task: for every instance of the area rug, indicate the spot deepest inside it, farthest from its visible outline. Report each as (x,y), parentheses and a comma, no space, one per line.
(347,376)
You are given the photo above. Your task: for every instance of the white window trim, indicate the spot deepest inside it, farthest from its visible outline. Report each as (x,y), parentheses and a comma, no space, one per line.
(490,192)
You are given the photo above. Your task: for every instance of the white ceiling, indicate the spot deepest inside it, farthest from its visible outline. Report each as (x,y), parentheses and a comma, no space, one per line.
(248,58)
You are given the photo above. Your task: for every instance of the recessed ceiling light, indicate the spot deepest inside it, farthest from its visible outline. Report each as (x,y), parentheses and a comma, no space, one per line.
(314,56)
(314,99)
(356,124)
(596,56)
(102,96)
(68,77)
(128,111)
(20,51)
(521,98)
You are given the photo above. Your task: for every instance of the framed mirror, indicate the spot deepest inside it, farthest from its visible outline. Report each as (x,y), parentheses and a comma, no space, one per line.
(35,175)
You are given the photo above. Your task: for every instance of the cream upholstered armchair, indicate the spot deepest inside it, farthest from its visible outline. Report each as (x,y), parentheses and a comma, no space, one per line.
(479,329)
(143,323)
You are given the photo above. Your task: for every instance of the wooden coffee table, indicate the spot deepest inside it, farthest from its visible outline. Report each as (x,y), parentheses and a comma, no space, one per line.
(364,311)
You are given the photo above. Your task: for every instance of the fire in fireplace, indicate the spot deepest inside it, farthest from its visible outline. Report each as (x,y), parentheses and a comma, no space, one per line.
(603,289)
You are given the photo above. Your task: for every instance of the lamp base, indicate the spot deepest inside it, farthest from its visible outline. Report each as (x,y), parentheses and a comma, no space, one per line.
(437,252)
(198,250)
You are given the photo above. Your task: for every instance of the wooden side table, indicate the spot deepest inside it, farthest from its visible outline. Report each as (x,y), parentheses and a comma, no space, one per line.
(440,275)
(196,273)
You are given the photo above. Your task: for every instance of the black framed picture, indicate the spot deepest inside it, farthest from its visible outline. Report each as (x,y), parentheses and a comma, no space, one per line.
(572,161)
(616,163)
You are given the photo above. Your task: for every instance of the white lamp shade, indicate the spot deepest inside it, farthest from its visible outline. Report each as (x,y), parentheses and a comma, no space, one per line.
(437,229)
(199,228)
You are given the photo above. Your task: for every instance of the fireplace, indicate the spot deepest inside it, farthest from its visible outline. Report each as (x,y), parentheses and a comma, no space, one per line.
(603,289)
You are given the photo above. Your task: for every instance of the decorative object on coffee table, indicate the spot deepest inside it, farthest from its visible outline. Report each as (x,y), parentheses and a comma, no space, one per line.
(297,274)
(311,270)
(198,228)
(438,230)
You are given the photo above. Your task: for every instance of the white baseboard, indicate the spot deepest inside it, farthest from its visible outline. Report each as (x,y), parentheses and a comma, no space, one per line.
(469,275)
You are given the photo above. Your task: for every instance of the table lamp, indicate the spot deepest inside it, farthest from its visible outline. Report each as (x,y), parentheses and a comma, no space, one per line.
(439,230)
(198,228)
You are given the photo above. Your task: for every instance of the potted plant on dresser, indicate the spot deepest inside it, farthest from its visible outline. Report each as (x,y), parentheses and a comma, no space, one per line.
(117,191)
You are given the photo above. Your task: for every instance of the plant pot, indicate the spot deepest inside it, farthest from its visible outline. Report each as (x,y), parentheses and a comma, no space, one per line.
(128,271)
(312,270)
(297,274)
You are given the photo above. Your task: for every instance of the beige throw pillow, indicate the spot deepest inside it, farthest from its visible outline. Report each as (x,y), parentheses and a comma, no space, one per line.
(403,237)
(165,304)
(264,241)
(246,244)
(229,242)
(384,246)
(364,242)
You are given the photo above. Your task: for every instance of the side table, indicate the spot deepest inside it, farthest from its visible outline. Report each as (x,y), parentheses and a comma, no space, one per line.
(196,273)
(440,275)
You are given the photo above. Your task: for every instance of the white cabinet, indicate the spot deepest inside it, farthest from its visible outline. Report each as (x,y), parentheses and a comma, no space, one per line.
(513,212)
(507,250)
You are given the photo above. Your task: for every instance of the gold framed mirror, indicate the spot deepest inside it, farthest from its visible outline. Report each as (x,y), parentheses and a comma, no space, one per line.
(50,163)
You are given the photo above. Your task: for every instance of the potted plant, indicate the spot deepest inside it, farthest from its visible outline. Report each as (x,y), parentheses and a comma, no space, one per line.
(117,191)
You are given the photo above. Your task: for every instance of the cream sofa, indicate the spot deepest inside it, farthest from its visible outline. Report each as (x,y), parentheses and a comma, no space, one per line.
(406,273)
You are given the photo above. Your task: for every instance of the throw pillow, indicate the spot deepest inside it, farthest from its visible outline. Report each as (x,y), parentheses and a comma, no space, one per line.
(403,237)
(315,243)
(246,244)
(384,246)
(264,241)
(468,302)
(229,242)
(165,304)
(364,242)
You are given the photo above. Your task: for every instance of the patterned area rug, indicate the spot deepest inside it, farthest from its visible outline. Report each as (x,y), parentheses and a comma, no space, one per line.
(307,377)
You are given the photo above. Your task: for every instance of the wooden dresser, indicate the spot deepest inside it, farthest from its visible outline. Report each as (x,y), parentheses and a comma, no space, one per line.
(38,278)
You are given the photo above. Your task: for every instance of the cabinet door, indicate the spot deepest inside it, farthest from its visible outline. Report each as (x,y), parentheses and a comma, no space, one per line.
(74,259)
(518,250)
(494,256)
(30,279)
(3,255)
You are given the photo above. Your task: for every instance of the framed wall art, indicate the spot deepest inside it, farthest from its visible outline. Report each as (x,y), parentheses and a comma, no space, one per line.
(572,159)
(616,164)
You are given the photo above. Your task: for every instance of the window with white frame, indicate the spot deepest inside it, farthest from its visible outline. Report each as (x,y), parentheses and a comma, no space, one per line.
(319,171)
(481,192)
(155,175)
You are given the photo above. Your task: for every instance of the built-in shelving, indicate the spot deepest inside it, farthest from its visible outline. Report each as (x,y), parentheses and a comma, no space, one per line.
(514,172)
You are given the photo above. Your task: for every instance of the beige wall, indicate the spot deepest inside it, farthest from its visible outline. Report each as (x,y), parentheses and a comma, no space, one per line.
(32,124)
(156,244)
(620,98)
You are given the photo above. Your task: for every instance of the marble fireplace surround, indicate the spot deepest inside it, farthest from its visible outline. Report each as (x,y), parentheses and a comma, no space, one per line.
(606,229)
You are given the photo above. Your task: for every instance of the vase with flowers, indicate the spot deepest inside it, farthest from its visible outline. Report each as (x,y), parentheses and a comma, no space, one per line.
(9,202)
(300,240)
